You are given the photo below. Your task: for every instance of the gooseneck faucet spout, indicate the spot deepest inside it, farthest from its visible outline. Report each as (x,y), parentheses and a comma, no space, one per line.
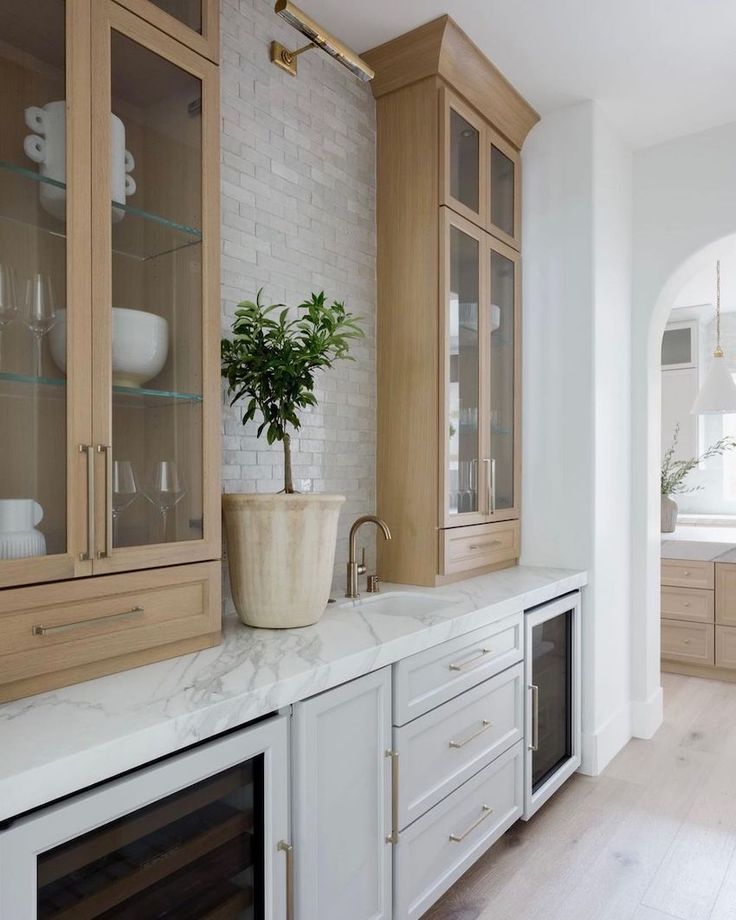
(355,568)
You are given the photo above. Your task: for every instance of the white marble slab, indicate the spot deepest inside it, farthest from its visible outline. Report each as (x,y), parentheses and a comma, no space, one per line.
(694,549)
(60,742)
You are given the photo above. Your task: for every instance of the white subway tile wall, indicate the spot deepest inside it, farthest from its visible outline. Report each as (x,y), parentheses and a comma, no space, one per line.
(298,215)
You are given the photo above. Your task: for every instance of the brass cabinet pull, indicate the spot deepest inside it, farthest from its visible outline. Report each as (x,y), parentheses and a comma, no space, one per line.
(45,630)
(487,812)
(471,662)
(534,746)
(394,835)
(106,449)
(89,450)
(486,724)
(288,849)
(493,485)
(489,485)
(487,543)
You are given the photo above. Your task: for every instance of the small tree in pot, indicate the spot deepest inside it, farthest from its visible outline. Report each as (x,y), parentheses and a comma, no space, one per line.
(281,548)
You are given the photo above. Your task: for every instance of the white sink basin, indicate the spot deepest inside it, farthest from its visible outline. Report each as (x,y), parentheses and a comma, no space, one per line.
(401,603)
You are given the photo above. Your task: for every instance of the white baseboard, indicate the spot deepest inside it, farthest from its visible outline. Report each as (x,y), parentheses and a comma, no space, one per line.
(601,747)
(647,716)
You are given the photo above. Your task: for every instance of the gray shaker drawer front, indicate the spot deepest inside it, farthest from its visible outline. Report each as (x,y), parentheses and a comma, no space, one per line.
(433,852)
(436,675)
(443,748)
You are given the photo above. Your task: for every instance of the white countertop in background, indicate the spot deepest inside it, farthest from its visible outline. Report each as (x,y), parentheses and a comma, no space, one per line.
(62,741)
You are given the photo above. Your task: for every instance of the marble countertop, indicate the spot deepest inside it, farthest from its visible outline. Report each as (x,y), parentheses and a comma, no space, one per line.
(706,544)
(62,741)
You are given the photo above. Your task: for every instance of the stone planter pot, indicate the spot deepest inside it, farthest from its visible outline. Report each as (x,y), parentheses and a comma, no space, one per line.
(281,555)
(669,514)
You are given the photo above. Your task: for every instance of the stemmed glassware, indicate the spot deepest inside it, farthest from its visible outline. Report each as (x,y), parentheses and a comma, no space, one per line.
(8,300)
(40,311)
(125,490)
(164,488)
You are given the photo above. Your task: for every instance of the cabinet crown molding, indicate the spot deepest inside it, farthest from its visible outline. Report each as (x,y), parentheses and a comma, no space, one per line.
(441,49)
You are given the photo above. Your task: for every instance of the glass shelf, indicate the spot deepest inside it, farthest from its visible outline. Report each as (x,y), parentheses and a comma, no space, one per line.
(135,397)
(136,234)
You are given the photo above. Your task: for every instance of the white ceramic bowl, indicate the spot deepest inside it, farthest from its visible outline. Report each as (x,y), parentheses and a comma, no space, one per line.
(140,345)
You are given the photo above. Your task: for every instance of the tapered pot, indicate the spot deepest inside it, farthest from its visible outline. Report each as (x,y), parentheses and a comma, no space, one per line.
(669,514)
(281,556)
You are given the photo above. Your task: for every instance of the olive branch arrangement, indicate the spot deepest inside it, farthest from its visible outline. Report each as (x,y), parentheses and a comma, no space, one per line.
(674,472)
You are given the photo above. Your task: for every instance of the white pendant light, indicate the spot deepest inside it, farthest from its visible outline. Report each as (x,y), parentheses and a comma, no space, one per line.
(718,393)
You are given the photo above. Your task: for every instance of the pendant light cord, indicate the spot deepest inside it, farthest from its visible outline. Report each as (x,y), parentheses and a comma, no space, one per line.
(718,353)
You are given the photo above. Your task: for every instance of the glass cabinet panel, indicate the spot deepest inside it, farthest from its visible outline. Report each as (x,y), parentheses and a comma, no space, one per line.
(503,378)
(503,191)
(33,280)
(187,11)
(156,324)
(552,673)
(197,853)
(464,161)
(464,376)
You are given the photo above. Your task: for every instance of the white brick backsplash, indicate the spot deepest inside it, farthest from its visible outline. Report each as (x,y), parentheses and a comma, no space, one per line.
(298,215)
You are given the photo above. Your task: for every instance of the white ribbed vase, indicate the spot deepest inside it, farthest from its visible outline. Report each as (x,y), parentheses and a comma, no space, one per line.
(281,555)
(669,514)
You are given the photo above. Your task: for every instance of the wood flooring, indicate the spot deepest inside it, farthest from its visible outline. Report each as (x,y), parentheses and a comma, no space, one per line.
(652,838)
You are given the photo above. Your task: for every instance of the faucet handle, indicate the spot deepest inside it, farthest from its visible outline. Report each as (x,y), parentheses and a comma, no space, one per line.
(362,566)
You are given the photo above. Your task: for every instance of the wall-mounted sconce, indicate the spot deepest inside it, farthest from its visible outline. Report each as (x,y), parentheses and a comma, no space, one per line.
(318,37)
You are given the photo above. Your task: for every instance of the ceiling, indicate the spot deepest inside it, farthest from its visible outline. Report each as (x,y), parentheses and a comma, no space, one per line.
(659,68)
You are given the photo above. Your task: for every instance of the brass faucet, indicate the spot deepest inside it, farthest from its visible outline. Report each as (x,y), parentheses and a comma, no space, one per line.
(355,568)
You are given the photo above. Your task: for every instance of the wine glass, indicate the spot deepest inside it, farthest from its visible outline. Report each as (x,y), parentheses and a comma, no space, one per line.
(124,491)
(40,311)
(8,300)
(164,488)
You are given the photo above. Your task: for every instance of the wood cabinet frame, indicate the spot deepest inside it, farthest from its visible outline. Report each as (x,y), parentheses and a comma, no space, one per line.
(206,43)
(493,139)
(448,103)
(108,16)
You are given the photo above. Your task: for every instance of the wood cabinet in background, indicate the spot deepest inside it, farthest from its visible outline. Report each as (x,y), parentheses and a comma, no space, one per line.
(450,129)
(109,368)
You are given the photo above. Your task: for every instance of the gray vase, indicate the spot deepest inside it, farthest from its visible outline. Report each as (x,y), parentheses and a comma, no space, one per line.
(669,514)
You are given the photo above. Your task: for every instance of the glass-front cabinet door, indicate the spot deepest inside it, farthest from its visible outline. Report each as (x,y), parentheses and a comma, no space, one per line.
(193,22)
(44,292)
(463,180)
(463,281)
(504,189)
(502,404)
(154,107)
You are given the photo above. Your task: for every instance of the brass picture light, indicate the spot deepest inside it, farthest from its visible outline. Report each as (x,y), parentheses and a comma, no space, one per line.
(318,37)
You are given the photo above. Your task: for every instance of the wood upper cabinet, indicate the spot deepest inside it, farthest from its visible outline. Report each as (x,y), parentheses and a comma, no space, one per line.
(195,23)
(109,303)
(450,129)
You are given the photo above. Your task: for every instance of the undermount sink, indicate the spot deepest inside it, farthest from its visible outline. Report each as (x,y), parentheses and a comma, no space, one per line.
(401,603)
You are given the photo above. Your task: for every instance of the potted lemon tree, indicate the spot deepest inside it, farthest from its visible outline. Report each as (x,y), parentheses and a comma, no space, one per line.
(281,547)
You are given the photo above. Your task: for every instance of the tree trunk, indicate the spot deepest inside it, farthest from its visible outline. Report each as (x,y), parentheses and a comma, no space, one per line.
(288,482)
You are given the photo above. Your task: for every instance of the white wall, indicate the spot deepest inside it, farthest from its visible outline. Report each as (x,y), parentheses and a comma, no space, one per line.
(684,204)
(576,489)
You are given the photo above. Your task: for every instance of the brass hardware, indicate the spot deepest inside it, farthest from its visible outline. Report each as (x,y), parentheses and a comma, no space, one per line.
(356,569)
(106,449)
(45,630)
(686,574)
(318,37)
(493,485)
(372,586)
(489,500)
(487,812)
(471,662)
(484,545)
(394,835)
(486,724)
(89,450)
(288,849)
(534,746)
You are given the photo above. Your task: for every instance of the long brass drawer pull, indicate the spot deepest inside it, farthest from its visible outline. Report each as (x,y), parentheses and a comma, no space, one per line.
(458,838)
(485,545)
(484,728)
(394,835)
(90,552)
(471,662)
(45,630)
